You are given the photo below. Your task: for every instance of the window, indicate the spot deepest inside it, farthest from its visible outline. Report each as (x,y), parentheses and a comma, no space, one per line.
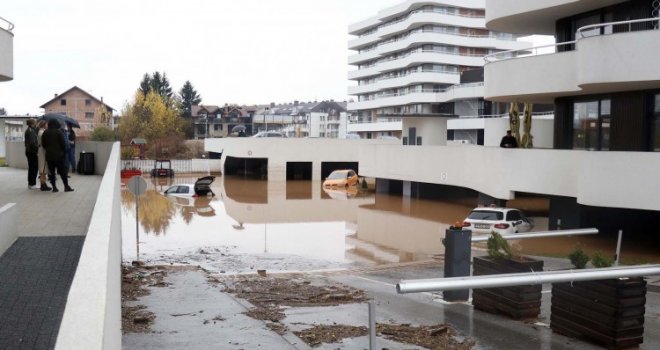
(217,127)
(88,102)
(63,102)
(656,126)
(89,115)
(591,125)
(513,215)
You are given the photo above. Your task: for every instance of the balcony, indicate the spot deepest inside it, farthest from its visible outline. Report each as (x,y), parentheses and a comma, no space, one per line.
(375,126)
(410,79)
(536,17)
(453,93)
(594,178)
(599,64)
(6,50)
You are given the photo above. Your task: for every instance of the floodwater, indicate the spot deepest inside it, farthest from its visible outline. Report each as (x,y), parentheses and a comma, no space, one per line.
(297,226)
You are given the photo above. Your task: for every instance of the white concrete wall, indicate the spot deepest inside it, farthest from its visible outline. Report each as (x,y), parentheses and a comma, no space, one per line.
(609,179)
(6,55)
(9,225)
(280,151)
(92,317)
(432,130)
(15,155)
(600,64)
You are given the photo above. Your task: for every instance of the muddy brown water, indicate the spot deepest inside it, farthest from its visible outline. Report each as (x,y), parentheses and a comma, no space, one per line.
(297,226)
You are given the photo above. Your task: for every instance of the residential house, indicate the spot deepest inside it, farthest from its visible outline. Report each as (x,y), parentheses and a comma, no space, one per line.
(80,105)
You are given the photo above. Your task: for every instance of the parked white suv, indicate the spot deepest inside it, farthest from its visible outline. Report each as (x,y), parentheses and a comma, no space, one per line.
(500,220)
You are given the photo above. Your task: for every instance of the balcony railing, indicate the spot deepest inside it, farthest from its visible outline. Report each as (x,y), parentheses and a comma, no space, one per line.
(581,33)
(6,25)
(423,91)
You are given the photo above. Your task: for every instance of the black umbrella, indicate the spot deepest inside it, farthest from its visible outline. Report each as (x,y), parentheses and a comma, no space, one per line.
(238,128)
(63,119)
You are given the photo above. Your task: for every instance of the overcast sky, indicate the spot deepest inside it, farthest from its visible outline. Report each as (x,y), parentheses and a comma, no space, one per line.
(245,52)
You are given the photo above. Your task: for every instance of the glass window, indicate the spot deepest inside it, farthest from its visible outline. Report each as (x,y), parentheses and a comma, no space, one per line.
(89,115)
(513,215)
(656,127)
(591,125)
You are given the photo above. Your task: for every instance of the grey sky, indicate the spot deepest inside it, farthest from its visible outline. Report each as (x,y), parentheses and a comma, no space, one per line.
(245,52)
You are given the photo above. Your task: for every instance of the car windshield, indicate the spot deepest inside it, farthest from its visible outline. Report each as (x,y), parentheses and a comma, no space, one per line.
(337,175)
(485,215)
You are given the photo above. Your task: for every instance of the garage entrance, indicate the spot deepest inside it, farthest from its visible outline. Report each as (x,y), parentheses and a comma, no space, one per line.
(254,168)
(298,171)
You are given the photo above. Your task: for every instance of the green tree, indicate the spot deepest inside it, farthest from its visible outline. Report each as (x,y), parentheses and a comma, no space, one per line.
(102,133)
(156,82)
(151,118)
(189,97)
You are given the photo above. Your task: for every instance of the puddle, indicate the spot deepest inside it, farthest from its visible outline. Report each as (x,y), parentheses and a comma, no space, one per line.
(296,226)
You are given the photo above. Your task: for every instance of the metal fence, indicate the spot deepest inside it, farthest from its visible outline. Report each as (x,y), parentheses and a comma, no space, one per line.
(180,166)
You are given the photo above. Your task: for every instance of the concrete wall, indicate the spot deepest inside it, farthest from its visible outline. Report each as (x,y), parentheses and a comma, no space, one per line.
(6,55)
(9,232)
(280,151)
(432,130)
(15,155)
(92,318)
(607,179)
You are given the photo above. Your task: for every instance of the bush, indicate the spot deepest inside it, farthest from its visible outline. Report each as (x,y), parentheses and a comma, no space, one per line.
(600,260)
(579,258)
(102,133)
(498,247)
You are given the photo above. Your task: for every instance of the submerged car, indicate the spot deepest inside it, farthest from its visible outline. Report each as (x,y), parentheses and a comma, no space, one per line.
(201,187)
(500,220)
(269,134)
(341,178)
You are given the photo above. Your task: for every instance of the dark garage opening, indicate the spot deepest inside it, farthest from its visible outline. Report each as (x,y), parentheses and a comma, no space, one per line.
(254,168)
(298,171)
(328,167)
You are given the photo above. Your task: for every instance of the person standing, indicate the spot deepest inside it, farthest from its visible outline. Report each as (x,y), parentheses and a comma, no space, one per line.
(43,169)
(31,149)
(509,141)
(54,143)
(71,156)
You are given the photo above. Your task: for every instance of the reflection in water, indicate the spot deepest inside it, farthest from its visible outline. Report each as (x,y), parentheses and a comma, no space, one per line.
(278,220)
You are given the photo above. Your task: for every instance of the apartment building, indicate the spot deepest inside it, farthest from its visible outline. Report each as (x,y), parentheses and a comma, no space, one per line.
(603,79)
(418,64)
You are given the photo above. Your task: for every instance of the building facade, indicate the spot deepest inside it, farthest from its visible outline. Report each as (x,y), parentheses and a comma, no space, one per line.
(82,106)
(420,63)
(214,121)
(603,79)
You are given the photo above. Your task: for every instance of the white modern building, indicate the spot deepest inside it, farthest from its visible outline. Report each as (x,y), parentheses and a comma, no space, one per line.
(603,77)
(420,63)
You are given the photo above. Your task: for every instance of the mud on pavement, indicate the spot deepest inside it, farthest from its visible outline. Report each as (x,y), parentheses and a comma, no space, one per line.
(268,299)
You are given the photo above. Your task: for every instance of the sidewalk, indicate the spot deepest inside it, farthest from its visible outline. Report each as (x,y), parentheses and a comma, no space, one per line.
(37,270)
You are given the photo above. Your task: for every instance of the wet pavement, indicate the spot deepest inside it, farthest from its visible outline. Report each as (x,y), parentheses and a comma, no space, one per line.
(362,240)
(37,270)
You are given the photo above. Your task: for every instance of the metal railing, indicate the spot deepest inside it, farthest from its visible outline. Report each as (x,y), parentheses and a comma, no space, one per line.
(544,234)
(424,91)
(146,165)
(8,25)
(523,279)
(579,34)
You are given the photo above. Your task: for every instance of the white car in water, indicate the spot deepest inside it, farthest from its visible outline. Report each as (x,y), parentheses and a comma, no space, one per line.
(201,187)
(500,220)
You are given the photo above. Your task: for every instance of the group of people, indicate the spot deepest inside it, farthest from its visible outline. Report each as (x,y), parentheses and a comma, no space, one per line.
(49,148)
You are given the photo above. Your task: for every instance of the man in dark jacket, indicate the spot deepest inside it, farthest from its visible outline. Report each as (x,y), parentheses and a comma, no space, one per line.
(55,145)
(31,149)
(509,141)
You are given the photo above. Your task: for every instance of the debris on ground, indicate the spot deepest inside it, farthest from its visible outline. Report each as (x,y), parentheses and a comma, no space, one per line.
(439,336)
(267,291)
(136,319)
(135,279)
(320,334)
(266,314)
(277,327)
